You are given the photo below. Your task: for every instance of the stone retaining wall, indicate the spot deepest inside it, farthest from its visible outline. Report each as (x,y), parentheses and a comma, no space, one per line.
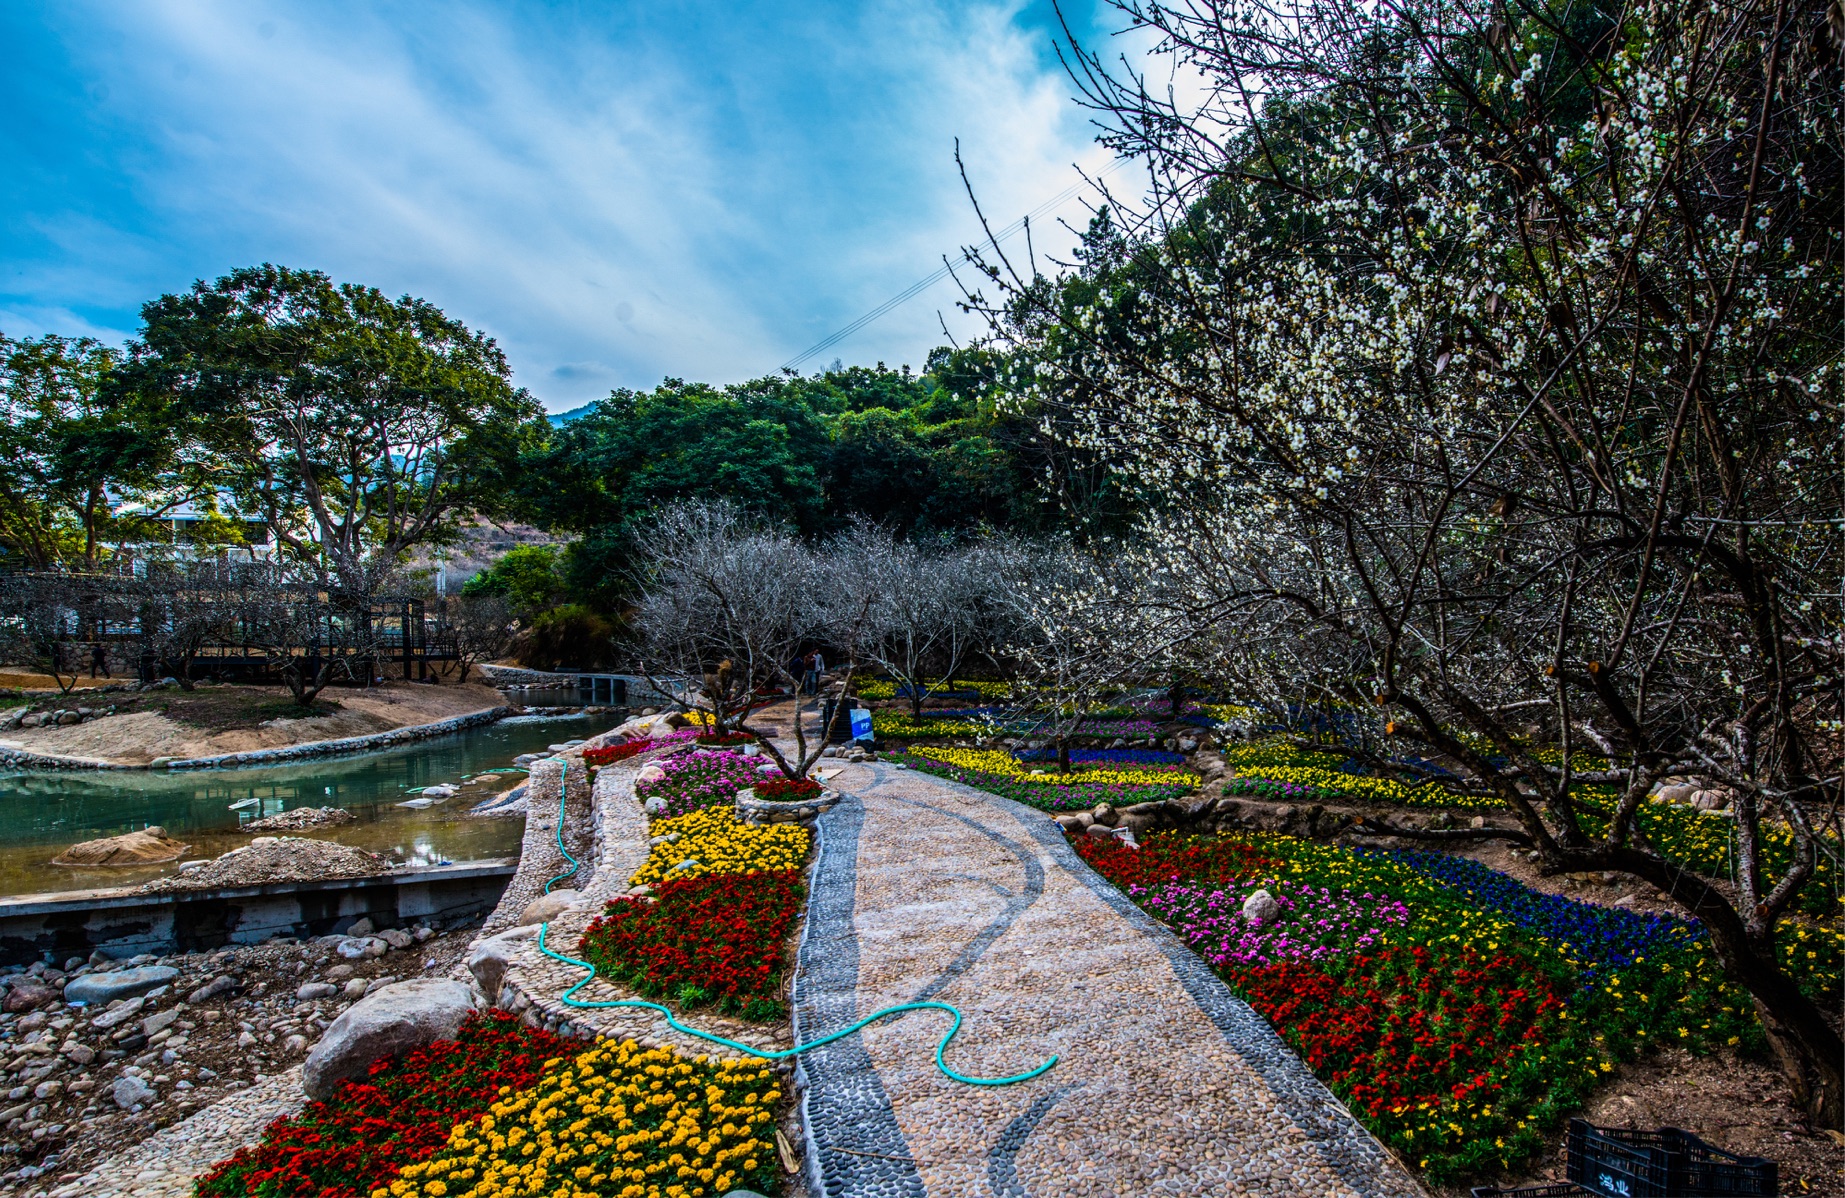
(25,759)
(615,828)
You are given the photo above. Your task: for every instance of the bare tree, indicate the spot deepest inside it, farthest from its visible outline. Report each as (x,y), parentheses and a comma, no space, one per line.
(481,628)
(916,610)
(308,638)
(726,605)
(41,614)
(181,607)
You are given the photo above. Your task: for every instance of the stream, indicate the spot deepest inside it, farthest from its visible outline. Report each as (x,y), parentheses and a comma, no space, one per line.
(44,812)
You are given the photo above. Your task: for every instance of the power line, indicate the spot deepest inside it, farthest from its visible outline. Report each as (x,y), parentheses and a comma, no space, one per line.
(921,285)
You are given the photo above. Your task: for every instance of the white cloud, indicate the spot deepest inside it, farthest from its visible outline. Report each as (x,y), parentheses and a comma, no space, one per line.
(614,204)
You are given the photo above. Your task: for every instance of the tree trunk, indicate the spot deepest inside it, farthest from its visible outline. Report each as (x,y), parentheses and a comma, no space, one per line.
(1063,754)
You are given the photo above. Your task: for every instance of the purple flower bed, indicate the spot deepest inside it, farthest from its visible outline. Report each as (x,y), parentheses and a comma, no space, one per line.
(705,778)
(1315,924)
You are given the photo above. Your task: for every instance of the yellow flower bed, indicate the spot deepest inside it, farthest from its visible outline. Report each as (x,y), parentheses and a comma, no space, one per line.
(886,688)
(617,1122)
(995,761)
(717,842)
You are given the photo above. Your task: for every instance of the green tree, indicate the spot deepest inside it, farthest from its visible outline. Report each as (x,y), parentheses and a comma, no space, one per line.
(82,461)
(530,578)
(355,425)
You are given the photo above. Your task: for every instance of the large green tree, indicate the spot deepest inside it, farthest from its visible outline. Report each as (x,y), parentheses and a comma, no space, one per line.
(82,461)
(355,425)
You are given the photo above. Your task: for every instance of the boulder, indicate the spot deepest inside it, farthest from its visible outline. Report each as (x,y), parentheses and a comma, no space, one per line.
(28,996)
(548,907)
(489,959)
(397,938)
(314,991)
(650,772)
(1105,815)
(360,948)
(148,847)
(396,1019)
(130,1092)
(361,927)
(159,1023)
(355,988)
(655,806)
(97,988)
(1711,800)
(222,984)
(115,1016)
(1261,908)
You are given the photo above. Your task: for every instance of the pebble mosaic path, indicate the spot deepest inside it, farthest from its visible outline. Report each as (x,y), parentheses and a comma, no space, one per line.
(1167,1084)
(164,1164)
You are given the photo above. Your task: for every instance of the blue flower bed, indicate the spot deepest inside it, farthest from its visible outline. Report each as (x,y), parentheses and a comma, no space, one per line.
(1603,938)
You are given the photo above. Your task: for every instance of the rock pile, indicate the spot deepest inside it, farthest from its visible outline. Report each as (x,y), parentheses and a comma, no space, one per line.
(152,846)
(301,817)
(270,859)
(26,717)
(155,1039)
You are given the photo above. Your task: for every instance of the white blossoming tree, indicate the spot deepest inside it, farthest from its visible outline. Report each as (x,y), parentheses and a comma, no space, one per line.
(1479,363)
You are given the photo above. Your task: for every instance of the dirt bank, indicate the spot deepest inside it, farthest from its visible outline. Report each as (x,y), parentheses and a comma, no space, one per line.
(237,719)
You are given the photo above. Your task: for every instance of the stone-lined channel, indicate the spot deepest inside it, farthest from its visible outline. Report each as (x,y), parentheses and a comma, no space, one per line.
(41,813)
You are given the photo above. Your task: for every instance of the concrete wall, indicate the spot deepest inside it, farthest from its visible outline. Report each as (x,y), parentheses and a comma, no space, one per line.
(122,925)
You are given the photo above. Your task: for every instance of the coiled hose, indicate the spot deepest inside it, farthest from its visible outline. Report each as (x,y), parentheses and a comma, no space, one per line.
(569,999)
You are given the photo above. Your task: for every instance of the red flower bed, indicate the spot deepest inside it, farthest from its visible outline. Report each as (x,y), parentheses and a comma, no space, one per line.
(357,1140)
(716,939)
(787,790)
(1170,859)
(720,740)
(610,754)
(1406,1026)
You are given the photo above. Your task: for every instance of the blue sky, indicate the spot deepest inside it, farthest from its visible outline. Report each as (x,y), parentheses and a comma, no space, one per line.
(617,192)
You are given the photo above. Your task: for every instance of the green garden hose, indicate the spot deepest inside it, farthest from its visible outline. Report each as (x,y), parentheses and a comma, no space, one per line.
(568,997)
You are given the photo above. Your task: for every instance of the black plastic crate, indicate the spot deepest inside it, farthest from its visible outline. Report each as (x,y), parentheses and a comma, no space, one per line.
(1562,1189)
(1667,1163)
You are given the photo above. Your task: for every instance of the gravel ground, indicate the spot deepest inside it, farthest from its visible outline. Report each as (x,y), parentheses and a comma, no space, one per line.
(1166,1084)
(236,1052)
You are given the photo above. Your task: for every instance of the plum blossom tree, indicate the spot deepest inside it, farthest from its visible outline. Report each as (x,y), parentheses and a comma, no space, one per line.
(1479,363)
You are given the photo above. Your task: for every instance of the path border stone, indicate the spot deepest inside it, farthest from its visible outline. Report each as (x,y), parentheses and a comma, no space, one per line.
(843,1094)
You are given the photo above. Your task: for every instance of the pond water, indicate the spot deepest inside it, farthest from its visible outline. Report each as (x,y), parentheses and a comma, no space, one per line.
(42,813)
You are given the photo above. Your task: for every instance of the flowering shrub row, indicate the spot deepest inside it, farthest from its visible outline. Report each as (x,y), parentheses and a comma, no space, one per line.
(1003,764)
(1147,757)
(1078,793)
(618,1121)
(400,1113)
(622,751)
(988,721)
(1280,763)
(715,841)
(890,688)
(1459,1013)
(786,790)
(704,778)
(609,754)
(712,940)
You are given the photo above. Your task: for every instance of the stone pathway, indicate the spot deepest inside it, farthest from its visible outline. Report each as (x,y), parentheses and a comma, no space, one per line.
(1167,1083)
(163,1165)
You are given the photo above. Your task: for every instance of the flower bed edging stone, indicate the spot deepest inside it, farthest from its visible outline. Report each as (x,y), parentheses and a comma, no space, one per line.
(757,812)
